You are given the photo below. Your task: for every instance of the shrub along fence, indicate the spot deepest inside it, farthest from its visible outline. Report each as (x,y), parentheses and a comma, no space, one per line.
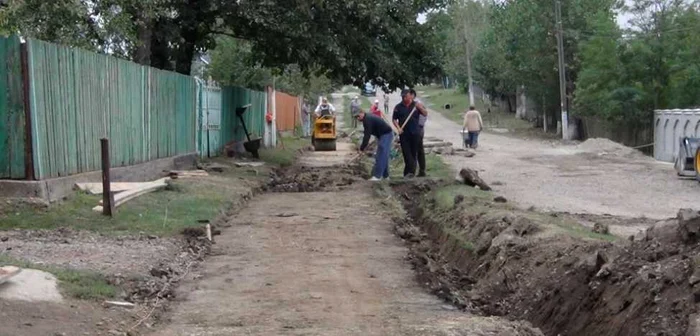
(59,101)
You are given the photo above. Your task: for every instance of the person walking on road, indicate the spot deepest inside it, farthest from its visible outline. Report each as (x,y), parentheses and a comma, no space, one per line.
(386,103)
(406,119)
(473,124)
(376,126)
(305,120)
(355,110)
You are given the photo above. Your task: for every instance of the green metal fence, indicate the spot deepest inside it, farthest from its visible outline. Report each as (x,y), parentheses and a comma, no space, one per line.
(78,97)
(231,128)
(12,115)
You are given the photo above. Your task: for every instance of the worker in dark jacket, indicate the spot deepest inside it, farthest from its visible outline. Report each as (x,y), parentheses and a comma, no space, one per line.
(376,126)
(407,121)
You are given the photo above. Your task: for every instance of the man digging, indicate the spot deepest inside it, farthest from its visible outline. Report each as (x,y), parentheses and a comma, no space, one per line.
(376,126)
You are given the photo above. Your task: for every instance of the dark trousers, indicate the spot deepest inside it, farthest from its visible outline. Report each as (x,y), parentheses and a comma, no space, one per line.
(409,148)
(421,153)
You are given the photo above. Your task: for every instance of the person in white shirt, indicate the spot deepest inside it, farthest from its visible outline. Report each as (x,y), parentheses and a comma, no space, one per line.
(325,108)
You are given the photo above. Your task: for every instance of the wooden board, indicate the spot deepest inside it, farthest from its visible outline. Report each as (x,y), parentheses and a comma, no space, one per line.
(190,172)
(128,195)
(96,188)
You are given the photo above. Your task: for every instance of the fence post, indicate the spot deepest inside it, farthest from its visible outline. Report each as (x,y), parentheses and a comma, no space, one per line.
(107,198)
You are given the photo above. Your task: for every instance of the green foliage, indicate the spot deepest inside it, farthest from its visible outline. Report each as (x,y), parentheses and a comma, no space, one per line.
(624,79)
(348,41)
(233,63)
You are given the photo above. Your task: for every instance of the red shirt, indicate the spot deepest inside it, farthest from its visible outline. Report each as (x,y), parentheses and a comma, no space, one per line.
(376,111)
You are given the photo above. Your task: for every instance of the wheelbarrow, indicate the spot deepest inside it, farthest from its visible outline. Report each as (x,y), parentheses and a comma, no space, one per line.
(252,146)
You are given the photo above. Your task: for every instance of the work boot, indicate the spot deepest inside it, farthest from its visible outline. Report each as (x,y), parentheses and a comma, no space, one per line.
(409,176)
(422,174)
(375,179)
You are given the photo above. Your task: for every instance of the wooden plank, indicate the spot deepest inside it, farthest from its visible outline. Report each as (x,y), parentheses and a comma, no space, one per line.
(123,197)
(96,188)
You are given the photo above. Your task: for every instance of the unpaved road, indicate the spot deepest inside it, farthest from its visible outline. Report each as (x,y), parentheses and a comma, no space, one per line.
(564,178)
(316,263)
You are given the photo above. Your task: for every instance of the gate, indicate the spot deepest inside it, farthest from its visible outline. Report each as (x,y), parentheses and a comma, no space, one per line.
(210,123)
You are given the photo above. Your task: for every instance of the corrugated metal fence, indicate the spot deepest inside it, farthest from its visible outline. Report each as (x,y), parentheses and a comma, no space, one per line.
(288,111)
(254,117)
(78,97)
(12,115)
(60,101)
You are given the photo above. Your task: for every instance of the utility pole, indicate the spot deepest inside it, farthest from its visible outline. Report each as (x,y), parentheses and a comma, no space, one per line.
(469,63)
(562,73)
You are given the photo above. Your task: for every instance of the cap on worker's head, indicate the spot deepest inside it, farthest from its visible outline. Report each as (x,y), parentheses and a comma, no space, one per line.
(376,101)
(405,92)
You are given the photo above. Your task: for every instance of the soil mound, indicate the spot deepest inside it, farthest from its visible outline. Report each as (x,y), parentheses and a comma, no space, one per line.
(493,260)
(604,146)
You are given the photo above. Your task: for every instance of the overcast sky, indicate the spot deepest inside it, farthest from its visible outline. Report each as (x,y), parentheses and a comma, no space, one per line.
(622,18)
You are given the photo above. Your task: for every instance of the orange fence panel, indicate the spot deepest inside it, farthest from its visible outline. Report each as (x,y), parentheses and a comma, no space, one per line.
(288,111)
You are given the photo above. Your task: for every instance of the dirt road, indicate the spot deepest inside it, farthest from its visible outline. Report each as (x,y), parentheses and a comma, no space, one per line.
(316,263)
(568,178)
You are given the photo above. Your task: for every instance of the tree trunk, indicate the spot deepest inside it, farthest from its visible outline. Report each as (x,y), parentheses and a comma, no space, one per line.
(471,178)
(142,55)
(159,50)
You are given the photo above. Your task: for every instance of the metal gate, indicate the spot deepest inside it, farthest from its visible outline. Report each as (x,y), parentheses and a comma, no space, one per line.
(210,121)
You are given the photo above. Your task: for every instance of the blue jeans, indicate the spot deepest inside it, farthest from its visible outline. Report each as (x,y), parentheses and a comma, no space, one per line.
(473,140)
(381,163)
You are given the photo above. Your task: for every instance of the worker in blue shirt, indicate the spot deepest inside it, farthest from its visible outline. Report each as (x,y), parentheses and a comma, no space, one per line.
(376,126)
(406,118)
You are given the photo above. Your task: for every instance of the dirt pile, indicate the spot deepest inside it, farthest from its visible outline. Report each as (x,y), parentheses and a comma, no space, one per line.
(492,263)
(602,146)
(300,179)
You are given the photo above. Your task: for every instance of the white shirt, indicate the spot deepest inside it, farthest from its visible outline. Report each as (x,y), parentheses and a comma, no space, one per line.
(329,105)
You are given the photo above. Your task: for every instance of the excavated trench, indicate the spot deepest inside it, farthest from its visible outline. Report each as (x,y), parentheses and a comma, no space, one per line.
(497,261)
(511,264)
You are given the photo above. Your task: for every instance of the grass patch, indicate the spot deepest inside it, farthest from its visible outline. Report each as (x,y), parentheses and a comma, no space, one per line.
(284,156)
(84,285)
(162,213)
(478,201)
(435,166)
(445,196)
(389,203)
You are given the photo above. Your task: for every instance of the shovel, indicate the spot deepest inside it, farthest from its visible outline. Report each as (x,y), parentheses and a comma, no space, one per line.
(252,145)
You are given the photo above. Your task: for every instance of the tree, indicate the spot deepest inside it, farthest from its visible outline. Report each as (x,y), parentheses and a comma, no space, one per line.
(354,41)
(233,63)
(470,18)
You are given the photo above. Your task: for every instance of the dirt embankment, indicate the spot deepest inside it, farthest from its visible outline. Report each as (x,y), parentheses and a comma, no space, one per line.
(492,259)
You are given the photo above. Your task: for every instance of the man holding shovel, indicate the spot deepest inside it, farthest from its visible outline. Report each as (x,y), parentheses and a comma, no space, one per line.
(376,126)
(406,119)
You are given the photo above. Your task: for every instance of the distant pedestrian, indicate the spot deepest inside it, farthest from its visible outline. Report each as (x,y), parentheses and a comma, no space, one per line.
(305,120)
(375,109)
(355,110)
(473,124)
(386,103)
(376,126)
(406,119)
